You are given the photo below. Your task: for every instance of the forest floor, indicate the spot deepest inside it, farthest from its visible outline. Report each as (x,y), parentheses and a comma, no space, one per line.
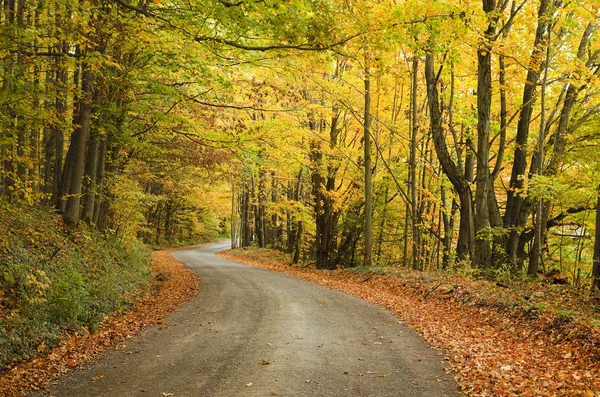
(523,339)
(172,284)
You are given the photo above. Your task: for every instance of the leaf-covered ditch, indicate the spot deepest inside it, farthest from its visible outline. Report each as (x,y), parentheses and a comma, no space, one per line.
(68,296)
(525,339)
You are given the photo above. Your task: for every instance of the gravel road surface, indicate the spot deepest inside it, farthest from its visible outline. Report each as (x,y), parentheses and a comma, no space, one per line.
(252,332)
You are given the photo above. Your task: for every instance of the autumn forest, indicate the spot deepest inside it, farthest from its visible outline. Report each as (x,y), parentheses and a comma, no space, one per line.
(460,137)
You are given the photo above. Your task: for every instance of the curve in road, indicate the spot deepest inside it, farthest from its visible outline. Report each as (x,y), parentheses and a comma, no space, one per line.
(252,332)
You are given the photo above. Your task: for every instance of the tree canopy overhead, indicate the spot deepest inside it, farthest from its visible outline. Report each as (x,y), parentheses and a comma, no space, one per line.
(430,134)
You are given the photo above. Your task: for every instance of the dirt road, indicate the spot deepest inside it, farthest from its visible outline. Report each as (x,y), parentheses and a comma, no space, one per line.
(252,332)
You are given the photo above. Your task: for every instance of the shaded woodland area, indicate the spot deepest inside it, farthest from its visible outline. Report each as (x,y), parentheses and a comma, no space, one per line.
(448,135)
(84,130)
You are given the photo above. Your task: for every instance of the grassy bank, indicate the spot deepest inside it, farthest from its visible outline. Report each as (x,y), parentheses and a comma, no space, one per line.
(54,281)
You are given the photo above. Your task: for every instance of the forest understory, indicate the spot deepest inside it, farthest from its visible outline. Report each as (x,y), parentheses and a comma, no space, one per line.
(522,339)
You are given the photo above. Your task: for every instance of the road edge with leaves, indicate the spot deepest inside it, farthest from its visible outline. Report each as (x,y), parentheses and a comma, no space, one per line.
(172,285)
(491,350)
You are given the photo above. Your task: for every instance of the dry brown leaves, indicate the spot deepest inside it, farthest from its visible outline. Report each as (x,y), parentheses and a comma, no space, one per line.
(173,285)
(492,351)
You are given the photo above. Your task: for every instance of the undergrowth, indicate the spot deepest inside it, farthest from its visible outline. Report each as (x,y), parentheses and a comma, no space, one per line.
(54,281)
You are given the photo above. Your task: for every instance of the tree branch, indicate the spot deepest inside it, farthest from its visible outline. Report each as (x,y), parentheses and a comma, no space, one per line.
(300,47)
(557,219)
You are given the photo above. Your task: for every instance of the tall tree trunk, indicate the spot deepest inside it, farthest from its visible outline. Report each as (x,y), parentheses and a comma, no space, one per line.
(54,146)
(299,225)
(466,240)
(368,248)
(540,224)
(484,102)
(447,239)
(245,216)
(321,215)
(74,166)
(414,203)
(260,209)
(20,121)
(596,260)
(8,180)
(513,217)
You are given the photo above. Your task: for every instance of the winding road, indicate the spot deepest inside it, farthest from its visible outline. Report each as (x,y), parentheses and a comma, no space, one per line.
(253,332)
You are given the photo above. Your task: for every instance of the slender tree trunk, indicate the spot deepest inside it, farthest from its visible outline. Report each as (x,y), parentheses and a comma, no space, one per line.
(539,232)
(55,143)
(89,179)
(275,234)
(8,180)
(466,239)
(34,132)
(368,248)
(246,229)
(596,261)
(484,102)
(260,209)
(447,239)
(234,240)
(513,217)
(414,202)
(100,173)
(299,225)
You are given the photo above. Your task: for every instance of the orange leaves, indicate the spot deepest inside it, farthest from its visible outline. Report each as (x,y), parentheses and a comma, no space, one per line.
(494,350)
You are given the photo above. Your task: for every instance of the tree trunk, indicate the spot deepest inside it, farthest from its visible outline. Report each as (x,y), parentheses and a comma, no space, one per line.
(596,261)
(89,180)
(447,239)
(466,239)
(54,146)
(368,248)
(77,150)
(8,180)
(540,224)
(484,102)
(299,226)
(414,204)
(260,209)
(100,172)
(513,217)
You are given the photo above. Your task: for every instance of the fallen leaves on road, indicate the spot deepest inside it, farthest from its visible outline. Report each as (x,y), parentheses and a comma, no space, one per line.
(176,286)
(494,349)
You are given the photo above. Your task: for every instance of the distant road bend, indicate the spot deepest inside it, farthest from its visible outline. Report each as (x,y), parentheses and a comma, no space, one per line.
(252,332)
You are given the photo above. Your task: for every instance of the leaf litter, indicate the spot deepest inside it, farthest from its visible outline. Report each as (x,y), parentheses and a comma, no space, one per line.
(497,342)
